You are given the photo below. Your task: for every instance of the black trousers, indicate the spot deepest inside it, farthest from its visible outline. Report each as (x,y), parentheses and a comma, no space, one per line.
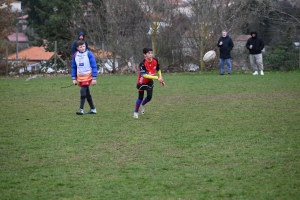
(86,94)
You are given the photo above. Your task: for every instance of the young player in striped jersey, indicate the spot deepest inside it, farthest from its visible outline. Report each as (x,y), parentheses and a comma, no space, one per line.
(147,69)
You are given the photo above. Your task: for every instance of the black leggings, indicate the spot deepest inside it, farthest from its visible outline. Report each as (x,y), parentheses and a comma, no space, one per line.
(149,94)
(86,94)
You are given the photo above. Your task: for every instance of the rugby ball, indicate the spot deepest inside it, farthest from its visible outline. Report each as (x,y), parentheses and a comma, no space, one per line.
(209,56)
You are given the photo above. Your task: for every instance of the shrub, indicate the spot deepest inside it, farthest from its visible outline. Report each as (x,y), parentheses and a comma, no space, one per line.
(282,58)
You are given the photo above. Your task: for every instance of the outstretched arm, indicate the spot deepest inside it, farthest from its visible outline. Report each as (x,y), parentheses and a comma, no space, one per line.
(159,77)
(145,75)
(149,76)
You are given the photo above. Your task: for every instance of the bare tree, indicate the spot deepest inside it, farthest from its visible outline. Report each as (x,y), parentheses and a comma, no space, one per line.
(212,16)
(7,17)
(168,21)
(118,26)
(284,14)
(125,27)
(284,18)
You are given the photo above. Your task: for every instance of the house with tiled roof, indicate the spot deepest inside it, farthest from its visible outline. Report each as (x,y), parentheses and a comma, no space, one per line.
(98,53)
(17,37)
(107,58)
(32,57)
(21,26)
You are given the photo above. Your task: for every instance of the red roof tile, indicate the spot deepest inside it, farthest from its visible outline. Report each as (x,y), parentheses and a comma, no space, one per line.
(21,37)
(32,54)
(23,17)
(98,53)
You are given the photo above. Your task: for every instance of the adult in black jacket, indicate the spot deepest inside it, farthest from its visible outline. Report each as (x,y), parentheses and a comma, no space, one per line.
(225,44)
(255,45)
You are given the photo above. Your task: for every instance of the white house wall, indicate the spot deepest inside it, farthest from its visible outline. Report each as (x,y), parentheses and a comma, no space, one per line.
(16,5)
(108,66)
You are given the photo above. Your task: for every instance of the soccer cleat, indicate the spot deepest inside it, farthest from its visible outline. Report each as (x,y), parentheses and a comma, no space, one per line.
(255,73)
(92,111)
(261,72)
(80,112)
(135,115)
(142,108)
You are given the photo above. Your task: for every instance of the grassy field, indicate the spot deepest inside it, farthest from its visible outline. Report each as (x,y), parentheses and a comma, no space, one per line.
(204,136)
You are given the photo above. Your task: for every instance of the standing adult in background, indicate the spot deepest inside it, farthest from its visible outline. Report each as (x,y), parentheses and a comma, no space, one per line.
(80,37)
(255,45)
(225,45)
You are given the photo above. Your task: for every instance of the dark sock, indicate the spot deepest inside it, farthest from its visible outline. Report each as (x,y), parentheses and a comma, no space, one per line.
(137,105)
(145,101)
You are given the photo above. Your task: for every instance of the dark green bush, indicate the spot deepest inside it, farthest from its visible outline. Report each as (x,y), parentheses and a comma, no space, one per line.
(282,58)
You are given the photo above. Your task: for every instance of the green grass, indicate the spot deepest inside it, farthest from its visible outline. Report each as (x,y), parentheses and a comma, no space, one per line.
(204,136)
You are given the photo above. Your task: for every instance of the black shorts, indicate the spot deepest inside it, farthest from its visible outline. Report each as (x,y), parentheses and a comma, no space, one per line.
(146,86)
